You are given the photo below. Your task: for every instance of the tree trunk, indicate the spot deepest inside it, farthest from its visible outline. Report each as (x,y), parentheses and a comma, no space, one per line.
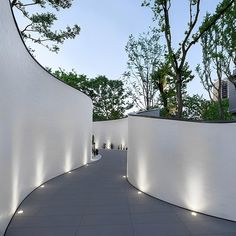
(163,96)
(179,97)
(147,100)
(220,106)
(164,100)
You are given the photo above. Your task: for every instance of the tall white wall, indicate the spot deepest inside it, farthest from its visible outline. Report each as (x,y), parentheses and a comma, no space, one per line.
(45,126)
(112,131)
(189,164)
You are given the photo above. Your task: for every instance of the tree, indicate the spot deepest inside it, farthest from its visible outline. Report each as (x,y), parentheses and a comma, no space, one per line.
(39,26)
(109,97)
(110,100)
(228,41)
(177,57)
(144,57)
(163,80)
(194,107)
(212,113)
(198,108)
(79,82)
(218,49)
(213,56)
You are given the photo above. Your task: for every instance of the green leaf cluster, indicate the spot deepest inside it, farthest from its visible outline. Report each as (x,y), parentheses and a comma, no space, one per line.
(198,108)
(40,24)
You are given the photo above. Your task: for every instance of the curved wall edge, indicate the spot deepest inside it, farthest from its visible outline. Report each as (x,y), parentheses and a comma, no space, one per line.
(111,132)
(45,125)
(188,164)
(34,59)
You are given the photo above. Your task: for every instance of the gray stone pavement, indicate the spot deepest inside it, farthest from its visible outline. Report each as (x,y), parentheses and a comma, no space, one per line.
(97,201)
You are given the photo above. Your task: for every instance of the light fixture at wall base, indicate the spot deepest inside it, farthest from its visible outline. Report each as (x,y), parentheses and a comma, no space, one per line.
(193,213)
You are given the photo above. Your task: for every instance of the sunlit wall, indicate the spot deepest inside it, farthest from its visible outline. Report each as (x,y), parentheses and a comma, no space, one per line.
(111,132)
(45,126)
(189,164)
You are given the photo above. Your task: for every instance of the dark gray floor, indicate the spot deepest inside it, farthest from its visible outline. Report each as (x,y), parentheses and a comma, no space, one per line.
(97,201)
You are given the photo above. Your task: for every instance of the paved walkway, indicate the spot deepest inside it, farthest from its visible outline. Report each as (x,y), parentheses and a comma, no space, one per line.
(97,201)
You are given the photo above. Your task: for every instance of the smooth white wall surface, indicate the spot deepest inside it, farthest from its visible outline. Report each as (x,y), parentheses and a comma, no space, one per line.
(188,164)
(45,126)
(112,131)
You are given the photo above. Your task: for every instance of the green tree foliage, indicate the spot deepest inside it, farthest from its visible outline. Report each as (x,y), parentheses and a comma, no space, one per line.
(212,113)
(198,108)
(71,78)
(228,23)
(194,107)
(39,26)
(164,80)
(177,56)
(219,56)
(213,60)
(144,57)
(110,100)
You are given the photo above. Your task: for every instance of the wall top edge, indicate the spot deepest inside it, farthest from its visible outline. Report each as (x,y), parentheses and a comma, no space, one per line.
(182,120)
(97,121)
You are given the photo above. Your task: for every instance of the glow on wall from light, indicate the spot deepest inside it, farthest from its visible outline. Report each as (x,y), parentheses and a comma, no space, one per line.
(68,160)
(96,144)
(15,174)
(142,180)
(85,158)
(193,197)
(15,186)
(108,143)
(39,177)
(123,143)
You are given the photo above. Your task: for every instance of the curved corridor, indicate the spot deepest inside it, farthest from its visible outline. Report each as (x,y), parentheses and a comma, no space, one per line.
(97,200)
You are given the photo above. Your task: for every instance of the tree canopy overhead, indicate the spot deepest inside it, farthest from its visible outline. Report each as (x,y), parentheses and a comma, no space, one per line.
(40,23)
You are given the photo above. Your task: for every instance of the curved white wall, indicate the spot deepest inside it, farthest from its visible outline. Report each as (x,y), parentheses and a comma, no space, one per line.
(189,164)
(112,131)
(45,126)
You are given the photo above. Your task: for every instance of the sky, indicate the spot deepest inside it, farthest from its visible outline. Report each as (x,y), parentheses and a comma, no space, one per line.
(105,29)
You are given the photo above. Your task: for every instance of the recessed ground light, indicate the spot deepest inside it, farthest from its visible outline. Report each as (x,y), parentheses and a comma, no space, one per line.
(124,176)
(69,172)
(193,213)
(87,165)
(139,192)
(20,212)
(42,186)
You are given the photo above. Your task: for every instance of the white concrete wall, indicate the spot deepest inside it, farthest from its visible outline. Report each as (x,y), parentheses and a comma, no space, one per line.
(45,126)
(113,131)
(189,164)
